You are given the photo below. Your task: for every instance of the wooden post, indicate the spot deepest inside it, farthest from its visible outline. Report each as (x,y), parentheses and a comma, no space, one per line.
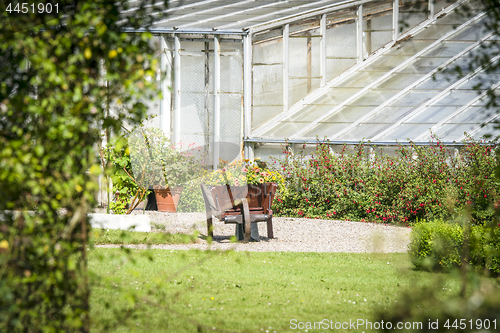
(309,64)
(368,39)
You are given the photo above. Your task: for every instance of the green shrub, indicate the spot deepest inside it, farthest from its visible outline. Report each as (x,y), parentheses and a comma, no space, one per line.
(417,183)
(485,247)
(64,80)
(127,191)
(439,245)
(191,199)
(436,244)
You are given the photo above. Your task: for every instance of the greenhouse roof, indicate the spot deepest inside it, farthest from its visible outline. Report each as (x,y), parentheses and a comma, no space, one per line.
(239,16)
(406,92)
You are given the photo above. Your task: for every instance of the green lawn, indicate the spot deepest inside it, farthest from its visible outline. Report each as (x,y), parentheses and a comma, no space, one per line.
(125,237)
(241,291)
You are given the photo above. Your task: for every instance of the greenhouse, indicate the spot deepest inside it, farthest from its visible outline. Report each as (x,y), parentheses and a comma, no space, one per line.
(244,77)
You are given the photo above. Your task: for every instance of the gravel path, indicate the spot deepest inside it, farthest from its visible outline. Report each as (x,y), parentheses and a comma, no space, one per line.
(291,234)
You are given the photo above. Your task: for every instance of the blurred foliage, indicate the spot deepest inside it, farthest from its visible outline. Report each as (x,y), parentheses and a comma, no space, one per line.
(440,245)
(191,199)
(465,248)
(63,82)
(127,191)
(126,237)
(439,309)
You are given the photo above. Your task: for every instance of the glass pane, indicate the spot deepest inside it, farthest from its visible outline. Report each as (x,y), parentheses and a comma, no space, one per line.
(360,79)
(386,63)
(193,67)
(284,130)
(460,65)
(363,131)
(447,49)
(426,65)
(457,98)
(438,81)
(268,52)
(194,117)
(310,112)
(378,38)
(481,81)
(427,136)
(336,95)
(411,13)
(341,41)
(473,115)
(389,115)
(231,66)
(453,132)
(268,85)
(374,97)
(349,114)
(450,18)
(414,98)
(399,81)
(434,31)
(473,32)
(262,114)
(230,110)
(433,114)
(487,130)
(335,67)
(410,47)
(325,129)
(405,132)
(300,88)
(304,54)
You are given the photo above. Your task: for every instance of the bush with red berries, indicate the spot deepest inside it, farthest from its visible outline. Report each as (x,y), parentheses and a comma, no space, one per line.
(415,183)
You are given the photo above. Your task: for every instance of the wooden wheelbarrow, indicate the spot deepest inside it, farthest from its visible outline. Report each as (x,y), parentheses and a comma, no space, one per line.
(240,205)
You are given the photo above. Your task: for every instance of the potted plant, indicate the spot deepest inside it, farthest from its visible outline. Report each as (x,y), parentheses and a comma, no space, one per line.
(246,178)
(162,165)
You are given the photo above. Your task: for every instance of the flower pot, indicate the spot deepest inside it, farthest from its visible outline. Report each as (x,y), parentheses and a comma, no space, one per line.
(167,198)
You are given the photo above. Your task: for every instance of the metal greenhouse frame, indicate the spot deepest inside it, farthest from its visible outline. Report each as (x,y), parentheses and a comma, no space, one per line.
(242,69)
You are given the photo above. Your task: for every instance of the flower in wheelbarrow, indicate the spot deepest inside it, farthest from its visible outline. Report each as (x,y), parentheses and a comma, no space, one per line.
(244,170)
(237,182)
(261,180)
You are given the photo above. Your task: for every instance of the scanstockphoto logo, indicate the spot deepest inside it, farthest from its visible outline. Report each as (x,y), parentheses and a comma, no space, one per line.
(484,324)
(354,324)
(19,15)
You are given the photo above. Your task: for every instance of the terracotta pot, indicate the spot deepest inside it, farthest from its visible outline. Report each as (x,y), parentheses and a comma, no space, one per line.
(167,199)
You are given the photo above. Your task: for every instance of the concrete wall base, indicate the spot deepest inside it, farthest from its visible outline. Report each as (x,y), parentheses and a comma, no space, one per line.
(123,222)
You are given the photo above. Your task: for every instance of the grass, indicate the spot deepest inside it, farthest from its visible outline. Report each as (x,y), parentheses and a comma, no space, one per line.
(241,291)
(125,237)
